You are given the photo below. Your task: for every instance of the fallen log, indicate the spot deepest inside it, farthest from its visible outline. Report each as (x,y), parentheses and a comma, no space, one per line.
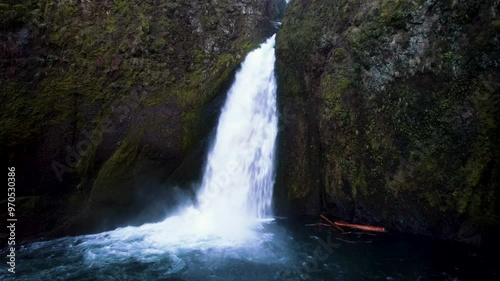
(362,227)
(332,223)
(350,225)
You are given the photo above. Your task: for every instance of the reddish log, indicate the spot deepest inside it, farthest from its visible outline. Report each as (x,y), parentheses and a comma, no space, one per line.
(362,227)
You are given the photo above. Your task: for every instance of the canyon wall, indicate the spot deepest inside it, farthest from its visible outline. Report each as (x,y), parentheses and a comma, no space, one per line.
(390,113)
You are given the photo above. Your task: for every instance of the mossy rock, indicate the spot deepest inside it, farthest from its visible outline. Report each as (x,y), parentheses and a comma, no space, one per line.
(405,118)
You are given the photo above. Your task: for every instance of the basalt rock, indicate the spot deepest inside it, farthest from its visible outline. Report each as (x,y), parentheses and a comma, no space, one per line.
(390,114)
(101,101)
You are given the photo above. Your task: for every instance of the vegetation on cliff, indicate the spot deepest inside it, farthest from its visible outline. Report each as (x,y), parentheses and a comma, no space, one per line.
(399,102)
(102,100)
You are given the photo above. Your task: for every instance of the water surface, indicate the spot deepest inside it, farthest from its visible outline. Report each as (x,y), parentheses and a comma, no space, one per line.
(280,249)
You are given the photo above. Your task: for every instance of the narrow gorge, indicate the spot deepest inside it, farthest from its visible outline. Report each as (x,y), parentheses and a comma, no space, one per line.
(202,140)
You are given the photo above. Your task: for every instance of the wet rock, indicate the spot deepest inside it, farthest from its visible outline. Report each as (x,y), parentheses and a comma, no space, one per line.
(398,129)
(129,88)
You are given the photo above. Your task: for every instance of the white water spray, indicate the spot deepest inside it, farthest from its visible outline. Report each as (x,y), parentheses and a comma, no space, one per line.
(238,179)
(237,185)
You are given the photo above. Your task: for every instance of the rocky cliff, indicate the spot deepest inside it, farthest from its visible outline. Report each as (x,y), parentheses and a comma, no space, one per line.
(391,112)
(101,101)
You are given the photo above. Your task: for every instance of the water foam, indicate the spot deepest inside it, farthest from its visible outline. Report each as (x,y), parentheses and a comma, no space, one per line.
(237,187)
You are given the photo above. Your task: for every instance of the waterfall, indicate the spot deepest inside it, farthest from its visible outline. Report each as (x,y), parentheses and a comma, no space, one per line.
(237,186)
(238,180)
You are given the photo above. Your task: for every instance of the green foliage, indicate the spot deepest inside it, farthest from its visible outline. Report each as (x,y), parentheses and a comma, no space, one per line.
(14,13)
(391,10)
(449,55)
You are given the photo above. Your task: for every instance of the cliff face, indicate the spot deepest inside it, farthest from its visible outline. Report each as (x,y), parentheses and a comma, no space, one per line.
(102,100)
(391,113)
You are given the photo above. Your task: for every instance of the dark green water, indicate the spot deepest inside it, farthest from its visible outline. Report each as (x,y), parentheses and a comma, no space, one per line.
(279,250)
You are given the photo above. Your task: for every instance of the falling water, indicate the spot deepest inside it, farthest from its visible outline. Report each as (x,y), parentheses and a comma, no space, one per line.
(238,180)
(237,186)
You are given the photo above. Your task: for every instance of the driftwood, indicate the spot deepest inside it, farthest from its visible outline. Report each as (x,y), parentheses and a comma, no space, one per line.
(362,227)
(350,225)
(332,223)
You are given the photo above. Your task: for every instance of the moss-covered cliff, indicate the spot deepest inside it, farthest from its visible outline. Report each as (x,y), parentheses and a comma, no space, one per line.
(102,100)
(391,113)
